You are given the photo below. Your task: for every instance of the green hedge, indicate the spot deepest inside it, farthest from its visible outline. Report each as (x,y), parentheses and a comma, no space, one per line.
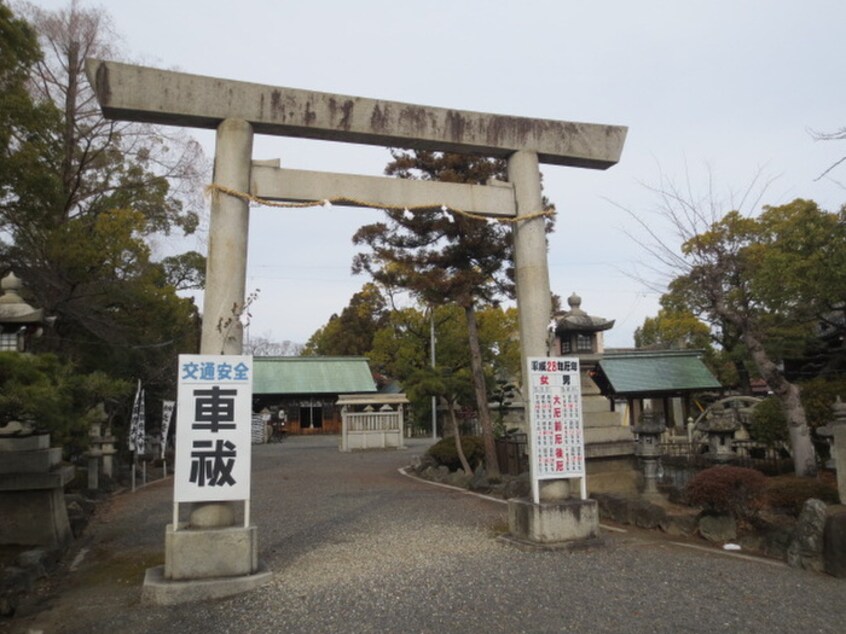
(444,453)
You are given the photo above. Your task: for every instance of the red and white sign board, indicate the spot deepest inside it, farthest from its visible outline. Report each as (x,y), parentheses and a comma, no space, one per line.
(555,415)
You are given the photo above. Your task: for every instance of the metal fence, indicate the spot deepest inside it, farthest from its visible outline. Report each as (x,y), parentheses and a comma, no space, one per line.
(768,459)
(512,453)
(680,461)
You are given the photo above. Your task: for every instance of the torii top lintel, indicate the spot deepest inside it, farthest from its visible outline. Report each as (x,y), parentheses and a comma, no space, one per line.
(138,93)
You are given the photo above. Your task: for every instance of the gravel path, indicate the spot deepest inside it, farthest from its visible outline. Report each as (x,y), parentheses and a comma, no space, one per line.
(355,546)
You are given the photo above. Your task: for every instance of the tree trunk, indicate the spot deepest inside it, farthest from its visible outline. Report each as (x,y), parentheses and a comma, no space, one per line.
(481,391)
(804,456)
(456,435)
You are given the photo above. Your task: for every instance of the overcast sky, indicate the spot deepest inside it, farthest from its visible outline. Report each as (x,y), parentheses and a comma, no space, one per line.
(728,86)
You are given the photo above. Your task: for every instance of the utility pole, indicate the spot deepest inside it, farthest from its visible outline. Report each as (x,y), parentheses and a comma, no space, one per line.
(432,359)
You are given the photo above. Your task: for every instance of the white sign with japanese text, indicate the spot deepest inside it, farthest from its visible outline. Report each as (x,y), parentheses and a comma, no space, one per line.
(213,446)
(555,401)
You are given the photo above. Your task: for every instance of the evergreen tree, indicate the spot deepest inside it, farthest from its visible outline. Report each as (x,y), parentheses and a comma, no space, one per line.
(83,199)
(444,258)
(351,333)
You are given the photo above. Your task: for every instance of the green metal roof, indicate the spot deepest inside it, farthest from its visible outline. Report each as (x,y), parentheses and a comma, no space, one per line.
(665,372)
(311,375)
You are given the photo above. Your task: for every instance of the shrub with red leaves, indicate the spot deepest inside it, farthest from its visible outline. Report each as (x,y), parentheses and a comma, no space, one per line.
(726,489)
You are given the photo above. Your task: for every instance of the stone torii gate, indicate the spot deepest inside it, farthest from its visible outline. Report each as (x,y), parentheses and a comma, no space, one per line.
(238,110)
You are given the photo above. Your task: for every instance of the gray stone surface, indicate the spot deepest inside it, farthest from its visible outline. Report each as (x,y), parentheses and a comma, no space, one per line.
(36,461)
(229,222)
(303,186)
(806,549)
(137,93)
(34,518)
(718,528)
(158,590)
(357,547)
(553,522)
(531,270)
(57,478)
(209,553)
(25,443)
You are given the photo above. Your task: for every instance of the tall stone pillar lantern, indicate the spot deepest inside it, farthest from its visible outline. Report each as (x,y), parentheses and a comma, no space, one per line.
(648,449)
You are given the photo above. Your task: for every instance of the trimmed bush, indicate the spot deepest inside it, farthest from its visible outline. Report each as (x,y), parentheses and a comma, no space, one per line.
(725,489)
(443,452)
(788,493)
(768,423)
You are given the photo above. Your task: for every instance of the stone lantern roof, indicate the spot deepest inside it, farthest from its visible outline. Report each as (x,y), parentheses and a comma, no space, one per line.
(13,309)
(577,320)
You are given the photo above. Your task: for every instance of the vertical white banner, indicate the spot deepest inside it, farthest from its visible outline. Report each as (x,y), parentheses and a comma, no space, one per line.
(167,415)
(137,423)
(213,449)
(555,414)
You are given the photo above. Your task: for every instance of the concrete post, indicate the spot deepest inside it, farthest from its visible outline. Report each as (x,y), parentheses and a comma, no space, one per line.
(226,267)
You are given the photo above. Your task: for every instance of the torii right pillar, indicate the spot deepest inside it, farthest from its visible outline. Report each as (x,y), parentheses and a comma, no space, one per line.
(560,517)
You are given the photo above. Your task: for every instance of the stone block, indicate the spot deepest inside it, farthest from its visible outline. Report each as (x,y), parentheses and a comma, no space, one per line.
(27,443)
(34,518)
(36,461)
(210,553)
(552,522)
(158,590)
(55,479)
(806,549)
(834,543)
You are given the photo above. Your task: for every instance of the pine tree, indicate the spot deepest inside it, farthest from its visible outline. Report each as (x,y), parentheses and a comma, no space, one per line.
(444,258)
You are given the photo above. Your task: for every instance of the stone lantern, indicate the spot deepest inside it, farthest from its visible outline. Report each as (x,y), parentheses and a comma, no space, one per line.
(720,425)
(648,448)
(101,446)
(580,334)
(19,321)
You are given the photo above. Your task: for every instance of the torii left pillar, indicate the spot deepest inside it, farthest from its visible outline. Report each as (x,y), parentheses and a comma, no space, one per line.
(226,272)
(211,557)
